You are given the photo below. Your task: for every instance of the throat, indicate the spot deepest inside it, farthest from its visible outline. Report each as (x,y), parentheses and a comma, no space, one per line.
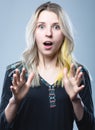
(49,75)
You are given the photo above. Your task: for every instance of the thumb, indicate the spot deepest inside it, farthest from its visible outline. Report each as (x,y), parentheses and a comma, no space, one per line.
(30,78)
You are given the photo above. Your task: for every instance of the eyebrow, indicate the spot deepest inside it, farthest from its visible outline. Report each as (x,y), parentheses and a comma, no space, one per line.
(45,23)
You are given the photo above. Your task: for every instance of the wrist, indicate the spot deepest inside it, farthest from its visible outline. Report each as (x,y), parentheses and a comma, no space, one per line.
(13,101)
(76,99)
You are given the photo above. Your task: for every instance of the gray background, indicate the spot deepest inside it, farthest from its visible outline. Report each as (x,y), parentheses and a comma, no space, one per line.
(14,15)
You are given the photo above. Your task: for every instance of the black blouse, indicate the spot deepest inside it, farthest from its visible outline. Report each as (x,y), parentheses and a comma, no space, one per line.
(46,107)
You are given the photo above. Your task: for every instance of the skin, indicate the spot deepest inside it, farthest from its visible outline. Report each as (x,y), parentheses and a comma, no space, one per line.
(48,29)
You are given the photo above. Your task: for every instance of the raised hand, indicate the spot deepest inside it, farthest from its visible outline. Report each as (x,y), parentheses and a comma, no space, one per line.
(72,82)
(20,86)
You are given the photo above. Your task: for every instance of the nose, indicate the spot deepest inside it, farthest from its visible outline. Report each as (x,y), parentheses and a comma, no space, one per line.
(49,32)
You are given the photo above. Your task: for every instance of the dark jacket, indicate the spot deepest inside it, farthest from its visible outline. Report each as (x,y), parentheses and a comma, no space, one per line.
(46,107)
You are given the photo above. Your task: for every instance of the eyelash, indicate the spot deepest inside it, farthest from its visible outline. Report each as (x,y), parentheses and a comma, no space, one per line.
(56,27)
(41,26)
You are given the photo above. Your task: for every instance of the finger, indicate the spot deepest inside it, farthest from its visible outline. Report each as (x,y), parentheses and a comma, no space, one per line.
(80,88)
(13,89)
(30,78)
(79,79)
(72,70)
(77,72)
(22,75)
(14,81)
(17,75)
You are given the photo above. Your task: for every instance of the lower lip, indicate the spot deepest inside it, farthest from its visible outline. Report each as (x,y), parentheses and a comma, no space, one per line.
(48,47)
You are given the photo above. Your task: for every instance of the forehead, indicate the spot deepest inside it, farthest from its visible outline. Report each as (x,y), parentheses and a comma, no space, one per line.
(47,16)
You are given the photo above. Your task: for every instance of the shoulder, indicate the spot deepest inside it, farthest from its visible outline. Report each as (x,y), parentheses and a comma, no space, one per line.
(16,65)
(84,68)
(86,78)
(86,73)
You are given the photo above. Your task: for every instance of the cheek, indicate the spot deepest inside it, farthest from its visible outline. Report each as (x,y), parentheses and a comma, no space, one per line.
(59,35)
(60,39)
(38,36)
(38,41)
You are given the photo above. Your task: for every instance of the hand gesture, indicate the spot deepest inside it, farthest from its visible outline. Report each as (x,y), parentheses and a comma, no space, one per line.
(72,82)
(20,86)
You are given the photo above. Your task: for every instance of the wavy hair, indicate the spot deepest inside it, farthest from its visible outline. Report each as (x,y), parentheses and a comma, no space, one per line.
(30,55)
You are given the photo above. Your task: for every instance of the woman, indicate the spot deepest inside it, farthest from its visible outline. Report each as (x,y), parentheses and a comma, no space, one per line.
(48,89)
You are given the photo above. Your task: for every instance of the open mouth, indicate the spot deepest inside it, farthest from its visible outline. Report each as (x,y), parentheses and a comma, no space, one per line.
(48,43)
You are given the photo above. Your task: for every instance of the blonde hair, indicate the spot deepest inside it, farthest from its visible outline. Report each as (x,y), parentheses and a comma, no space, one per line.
(30,55)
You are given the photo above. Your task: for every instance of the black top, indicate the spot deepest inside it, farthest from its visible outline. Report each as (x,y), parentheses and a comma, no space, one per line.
(46,107)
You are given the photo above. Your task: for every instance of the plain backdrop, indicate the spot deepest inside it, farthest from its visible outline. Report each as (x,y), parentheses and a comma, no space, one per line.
(14,15)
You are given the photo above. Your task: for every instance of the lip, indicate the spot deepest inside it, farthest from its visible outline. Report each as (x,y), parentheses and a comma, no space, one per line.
(48,45)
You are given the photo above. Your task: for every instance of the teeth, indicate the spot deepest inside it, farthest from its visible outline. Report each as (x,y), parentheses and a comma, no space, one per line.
(48,43)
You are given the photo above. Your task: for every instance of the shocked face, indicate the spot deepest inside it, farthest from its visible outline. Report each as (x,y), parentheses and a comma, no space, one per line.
(48,34)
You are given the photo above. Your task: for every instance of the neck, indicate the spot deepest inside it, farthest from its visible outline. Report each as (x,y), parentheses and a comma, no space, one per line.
(48,68)
(47,62)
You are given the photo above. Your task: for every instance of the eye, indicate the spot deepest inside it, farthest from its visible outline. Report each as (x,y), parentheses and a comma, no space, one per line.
(56,27)
(41,26)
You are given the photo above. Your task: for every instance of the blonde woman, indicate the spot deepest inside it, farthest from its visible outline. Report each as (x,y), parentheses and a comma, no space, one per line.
(47,89)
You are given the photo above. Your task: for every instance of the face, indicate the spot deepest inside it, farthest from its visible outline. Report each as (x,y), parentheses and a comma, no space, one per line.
(48,34)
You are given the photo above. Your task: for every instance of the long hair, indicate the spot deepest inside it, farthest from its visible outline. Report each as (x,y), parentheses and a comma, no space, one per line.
(30,55)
